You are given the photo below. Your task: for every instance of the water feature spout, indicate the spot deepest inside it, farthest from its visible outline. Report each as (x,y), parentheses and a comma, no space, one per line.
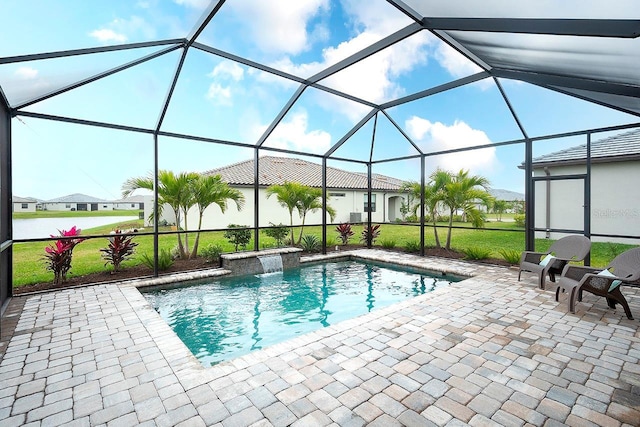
(271,263)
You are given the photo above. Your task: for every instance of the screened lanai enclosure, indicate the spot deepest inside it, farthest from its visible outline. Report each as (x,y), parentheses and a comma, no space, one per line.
(541,99)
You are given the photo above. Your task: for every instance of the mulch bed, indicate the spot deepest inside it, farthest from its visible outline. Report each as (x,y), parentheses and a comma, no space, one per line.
(178,266)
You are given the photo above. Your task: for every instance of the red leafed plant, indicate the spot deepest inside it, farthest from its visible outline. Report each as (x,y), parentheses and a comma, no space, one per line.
(370,234)
(345,232)
(120,249)
(58,254)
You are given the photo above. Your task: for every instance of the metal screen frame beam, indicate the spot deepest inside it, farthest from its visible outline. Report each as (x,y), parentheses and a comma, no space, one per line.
(6,243)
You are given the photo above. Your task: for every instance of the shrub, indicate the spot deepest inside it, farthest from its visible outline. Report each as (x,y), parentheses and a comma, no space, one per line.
(58,255)
(211,252)
(412,246)
(121,248)
(310,243)
(331,241)
(512,256)
(238,235)
(475,252)
(412,218)
(519,220)
(277,232)
(165,260)
(388,243)
(370,234)
(345,232)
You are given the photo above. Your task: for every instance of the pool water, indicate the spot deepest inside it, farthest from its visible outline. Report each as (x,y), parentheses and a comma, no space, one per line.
(229,317)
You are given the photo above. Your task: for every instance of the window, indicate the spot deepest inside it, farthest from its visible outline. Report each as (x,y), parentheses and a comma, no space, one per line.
(373,203)
(67,206)
(133,205)
(337,194)
(25,206)
(104,206)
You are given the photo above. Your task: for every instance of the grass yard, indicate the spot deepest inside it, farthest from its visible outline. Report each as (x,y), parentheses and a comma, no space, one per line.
(29,266)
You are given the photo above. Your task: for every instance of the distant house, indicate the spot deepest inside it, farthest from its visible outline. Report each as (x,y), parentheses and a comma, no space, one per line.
(347,192)
(77,202)
(135,202)
(24,204)
(615,188)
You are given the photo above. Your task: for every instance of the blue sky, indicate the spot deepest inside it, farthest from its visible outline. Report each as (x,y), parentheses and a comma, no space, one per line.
(222,99)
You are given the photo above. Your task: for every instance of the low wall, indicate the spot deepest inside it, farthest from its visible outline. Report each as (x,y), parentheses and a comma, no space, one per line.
(240,263)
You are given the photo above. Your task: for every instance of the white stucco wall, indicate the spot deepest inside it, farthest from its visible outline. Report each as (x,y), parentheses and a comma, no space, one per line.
(615,200)
(17,207)
(272,212)
(102,206)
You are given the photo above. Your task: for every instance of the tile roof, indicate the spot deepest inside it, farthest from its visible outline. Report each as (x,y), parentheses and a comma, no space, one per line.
(76,198)
(17,199)
(277,170)
(617,147)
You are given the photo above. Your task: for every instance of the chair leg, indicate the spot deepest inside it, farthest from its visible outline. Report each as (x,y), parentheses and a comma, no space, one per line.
(572,299)
(619,297)
(519,273)
(558,292)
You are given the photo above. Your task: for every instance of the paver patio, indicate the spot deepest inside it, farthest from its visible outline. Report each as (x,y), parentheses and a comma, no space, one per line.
(488,350)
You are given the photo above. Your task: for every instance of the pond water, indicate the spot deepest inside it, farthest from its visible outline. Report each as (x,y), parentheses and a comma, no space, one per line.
(43,227)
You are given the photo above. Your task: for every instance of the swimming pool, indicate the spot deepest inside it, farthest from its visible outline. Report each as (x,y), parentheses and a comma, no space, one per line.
(228,317)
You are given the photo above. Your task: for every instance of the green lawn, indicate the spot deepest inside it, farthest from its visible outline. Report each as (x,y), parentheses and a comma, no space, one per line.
(29,267)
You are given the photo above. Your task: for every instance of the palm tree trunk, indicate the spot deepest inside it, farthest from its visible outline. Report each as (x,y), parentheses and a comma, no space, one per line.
(180,246)
(301,228)
(186,236)
(435,232)
(195,244)
(292,236)
(448,245)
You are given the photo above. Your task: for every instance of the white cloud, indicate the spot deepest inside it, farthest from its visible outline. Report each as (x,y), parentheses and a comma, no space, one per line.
(107,35)
(294,135)
(219,94)
(228,69)
(26,73)
(279,26)
(455,62)
(439,137)
(195,4)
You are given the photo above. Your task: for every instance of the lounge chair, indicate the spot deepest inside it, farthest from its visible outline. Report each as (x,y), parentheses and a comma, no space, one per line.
(624,268)
(569,248)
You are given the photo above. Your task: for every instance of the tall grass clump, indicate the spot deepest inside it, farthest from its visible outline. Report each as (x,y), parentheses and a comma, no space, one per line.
(512,256)
(476,253)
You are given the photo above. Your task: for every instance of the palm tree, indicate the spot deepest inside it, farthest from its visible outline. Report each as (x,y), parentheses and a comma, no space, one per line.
(462,192)
(208,190)
(288,195)
(173,190)
(432,196)
(293,195)
(310,200)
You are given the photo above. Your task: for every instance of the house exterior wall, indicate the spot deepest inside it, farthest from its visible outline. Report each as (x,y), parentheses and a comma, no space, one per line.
(272,213)
(615,201)
(17,207)
(102,206)
(128,206)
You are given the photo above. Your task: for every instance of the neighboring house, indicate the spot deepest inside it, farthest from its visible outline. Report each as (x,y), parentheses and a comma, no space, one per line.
(24,204)
(135,202)
(615,189)
(347,194)
(77,202)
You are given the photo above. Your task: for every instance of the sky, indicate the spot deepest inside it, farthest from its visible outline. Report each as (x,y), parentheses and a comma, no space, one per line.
(221,99)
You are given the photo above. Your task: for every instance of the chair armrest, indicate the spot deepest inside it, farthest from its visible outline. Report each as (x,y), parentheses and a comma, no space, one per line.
(532,257)
(577,272)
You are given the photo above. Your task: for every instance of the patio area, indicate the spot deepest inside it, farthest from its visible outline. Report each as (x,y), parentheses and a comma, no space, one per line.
(488,350)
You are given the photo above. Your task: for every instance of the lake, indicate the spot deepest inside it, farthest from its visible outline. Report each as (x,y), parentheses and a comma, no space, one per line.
(43,227)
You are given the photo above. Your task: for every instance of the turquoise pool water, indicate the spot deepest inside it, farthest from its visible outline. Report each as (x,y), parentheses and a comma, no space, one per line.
(226,318)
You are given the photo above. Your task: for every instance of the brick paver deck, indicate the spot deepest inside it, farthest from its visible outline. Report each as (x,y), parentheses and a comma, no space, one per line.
(485,351)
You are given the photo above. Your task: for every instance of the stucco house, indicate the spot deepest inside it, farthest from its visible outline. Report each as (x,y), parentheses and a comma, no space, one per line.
(24,204)
(615,189)
(347,191)
(77,202)
(132,203)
